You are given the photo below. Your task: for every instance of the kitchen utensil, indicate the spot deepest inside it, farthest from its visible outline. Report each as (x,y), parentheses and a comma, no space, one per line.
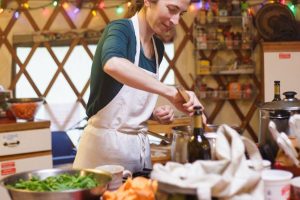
(167,140)
(294,124)
(279,112)
(103,178)
(183,93)
(284,143)
(186,98)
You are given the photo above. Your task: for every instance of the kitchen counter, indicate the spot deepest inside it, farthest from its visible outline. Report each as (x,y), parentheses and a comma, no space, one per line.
(12,125)
(24,146)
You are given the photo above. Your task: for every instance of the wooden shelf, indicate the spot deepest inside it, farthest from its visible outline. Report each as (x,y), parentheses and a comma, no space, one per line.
(230,72)
(223,21)
(221,76)
(215,45)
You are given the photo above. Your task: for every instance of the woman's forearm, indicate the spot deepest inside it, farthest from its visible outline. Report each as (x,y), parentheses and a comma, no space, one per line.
(127,73)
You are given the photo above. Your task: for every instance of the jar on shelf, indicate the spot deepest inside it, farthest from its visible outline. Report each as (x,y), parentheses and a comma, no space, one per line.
(246,39)
(202,91)
(228,40)
(236,40)
(223,12)
(202,39)
(203,67)
(223,94)
(202,16)
(236,8)
(212,38)
(234,90)
(247,90)
(210,16)
(220,37)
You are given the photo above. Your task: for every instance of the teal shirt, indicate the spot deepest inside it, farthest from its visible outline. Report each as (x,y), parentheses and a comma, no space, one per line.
(117,40)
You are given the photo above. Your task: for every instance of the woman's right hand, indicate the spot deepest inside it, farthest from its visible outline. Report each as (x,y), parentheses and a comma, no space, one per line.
(186,107)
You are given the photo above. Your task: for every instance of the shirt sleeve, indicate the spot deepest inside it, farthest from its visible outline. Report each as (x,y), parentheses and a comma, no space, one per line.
(116,42)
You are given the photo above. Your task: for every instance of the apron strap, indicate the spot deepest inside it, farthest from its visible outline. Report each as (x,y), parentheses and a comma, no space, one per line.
(136,28)
(135,23)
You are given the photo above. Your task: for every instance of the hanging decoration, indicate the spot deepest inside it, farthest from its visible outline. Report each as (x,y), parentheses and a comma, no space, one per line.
(119,7)
(252,6)
(76,6)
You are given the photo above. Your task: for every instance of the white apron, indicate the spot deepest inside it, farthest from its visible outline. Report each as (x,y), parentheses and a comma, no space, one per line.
(116,133)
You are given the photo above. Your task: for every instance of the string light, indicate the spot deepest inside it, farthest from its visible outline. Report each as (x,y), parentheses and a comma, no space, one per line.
(25,5)
(55,3)
(76,10)
(65,5)
(119,10)
(292,8)
(16,14)
(282,1)
(192,7)
(94,12)
(101,5)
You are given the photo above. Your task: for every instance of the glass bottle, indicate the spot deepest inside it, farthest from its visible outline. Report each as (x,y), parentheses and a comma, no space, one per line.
(202,16)
(276,91)
(236,8)
(223,12)
(198,145)
(210,16)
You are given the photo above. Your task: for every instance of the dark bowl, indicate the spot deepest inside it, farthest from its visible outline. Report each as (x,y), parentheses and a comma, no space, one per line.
(103,178)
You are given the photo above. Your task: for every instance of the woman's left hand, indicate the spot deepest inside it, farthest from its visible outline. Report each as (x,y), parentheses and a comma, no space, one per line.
(163,114)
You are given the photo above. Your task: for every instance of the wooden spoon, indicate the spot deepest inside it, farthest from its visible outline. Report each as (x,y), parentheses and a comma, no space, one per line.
(186,98)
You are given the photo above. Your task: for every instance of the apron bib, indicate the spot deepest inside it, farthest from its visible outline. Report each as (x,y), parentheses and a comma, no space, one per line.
(116,133)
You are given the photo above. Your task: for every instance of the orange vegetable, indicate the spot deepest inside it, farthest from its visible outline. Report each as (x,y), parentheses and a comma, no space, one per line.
(139,188)
(24,110)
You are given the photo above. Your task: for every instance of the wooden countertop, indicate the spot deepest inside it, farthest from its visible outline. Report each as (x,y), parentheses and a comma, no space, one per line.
(156,127)
(11,125)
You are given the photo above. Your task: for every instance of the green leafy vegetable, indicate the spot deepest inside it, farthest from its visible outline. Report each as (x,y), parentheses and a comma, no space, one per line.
(56,183)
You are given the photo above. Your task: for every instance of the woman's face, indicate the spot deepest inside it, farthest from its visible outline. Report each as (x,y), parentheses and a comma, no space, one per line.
(163,15)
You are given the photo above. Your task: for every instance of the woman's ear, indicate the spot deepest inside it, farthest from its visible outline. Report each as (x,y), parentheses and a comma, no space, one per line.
(147,3)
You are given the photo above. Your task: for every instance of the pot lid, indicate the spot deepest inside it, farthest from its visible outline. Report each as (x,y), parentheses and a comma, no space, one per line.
(288,103)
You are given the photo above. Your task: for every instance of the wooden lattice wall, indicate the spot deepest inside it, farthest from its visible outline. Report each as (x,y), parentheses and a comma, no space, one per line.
(7,30)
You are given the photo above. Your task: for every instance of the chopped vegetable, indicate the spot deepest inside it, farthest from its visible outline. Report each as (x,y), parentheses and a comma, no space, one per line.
(56,183)
(139,188)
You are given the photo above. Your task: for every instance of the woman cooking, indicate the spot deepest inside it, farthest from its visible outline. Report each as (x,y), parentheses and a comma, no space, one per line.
(124,88)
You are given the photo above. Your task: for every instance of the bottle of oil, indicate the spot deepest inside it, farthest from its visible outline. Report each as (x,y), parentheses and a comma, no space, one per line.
(276,91)
(198,145)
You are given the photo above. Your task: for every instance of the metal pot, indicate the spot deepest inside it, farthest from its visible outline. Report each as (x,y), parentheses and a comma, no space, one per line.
(279,112)
(103,178)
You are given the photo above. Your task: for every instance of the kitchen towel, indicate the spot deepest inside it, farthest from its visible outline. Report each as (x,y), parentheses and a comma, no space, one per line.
(227,177)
